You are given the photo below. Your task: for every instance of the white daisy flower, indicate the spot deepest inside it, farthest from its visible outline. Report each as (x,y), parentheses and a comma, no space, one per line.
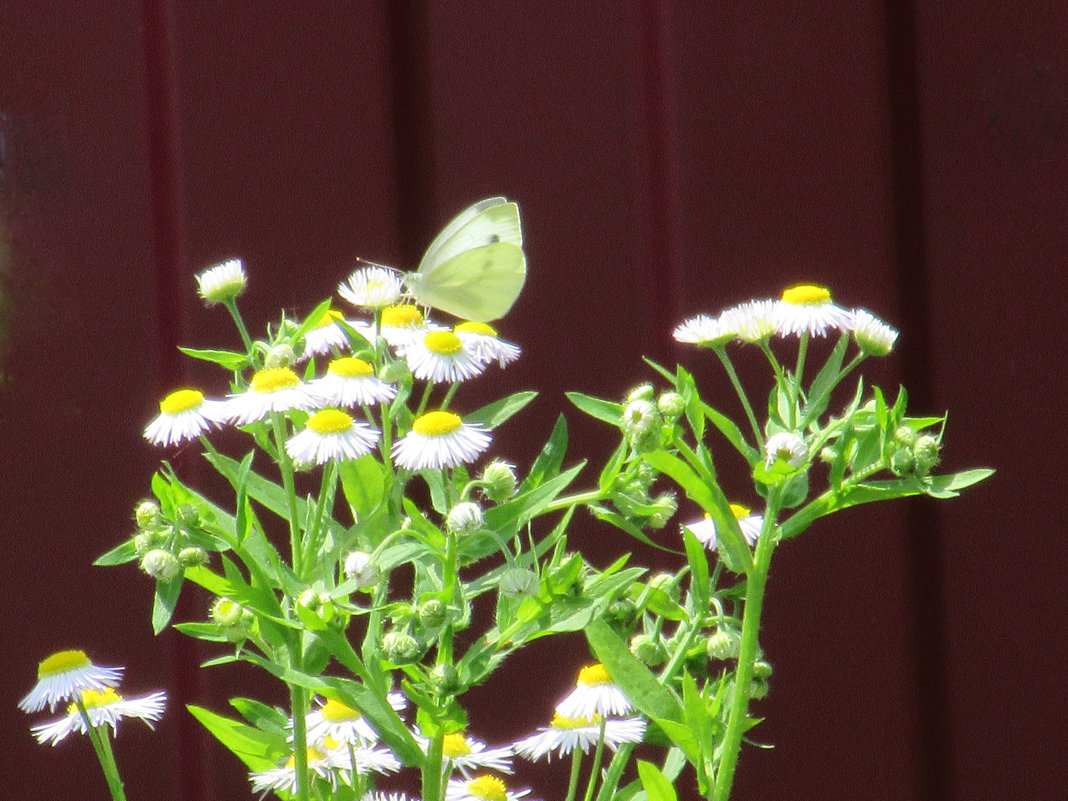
(467,753)
(378,795)
(222,282)
(705,530)
(103,707)
(372,288)
(273,389)
(874,337)
(360,759)
(184,414)
(284,777)
(331,436)
(595,694)
(400,326)
(440,357)
(440,439)
(703,330)
(481,340)
(564,735)
(344,724)
(63,675)
(753,321)
(786,446)
(350,381)
(481,788)
(808,308)
(326,336)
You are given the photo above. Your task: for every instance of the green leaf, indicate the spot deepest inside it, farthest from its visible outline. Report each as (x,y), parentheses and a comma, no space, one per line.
(163,605)
(948,486)
(699,577)
(819,394)
(656,784)
(734,435)
(231,360)
(363,482)
(607,411)
(641,687)
(312,320)
(118,556)
(550,458)
(257,749)
(493,414)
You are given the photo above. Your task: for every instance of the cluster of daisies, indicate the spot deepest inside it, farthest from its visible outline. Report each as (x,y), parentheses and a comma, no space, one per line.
(90,694)
(342,743)
(433,353)
(802,310)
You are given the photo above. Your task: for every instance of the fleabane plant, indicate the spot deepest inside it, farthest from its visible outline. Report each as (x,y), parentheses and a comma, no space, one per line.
(374,554)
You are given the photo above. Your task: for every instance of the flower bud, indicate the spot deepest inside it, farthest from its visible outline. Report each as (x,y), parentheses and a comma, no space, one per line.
(666,582)
(161,565)
(465,518)
(905,435)
(400,647)
(279,356)
(309,599)
(192,556)
(226,612)
(648,649)
(758,689)
(499,481)
(725,643)
(902,463)
(432,613)
(147,515)
(620,612)
(445,679)
(665,507)
(761,669)
(642,392)
(518,582)
(189,515)
(361,568)
(926,453)
(671,406)
(393,372)
(641,424)
(144,541)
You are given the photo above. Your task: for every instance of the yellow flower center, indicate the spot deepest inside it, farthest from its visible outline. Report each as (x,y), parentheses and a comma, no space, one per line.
(488,788)
(335,711)
(560,722)
(401,316)
(594,674)
(98,698)
(444,343)
(351,367)
(437,424)
(329,421)
(806,295)
(455,745)
(181,401)
(313,755)
(739,511)
(330,316)
(274,379)
(472,327)
(61,662)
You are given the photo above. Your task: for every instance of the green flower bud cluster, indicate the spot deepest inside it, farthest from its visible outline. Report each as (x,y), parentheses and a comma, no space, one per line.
(164,547)
(498,481)
(913,454)
(235,621)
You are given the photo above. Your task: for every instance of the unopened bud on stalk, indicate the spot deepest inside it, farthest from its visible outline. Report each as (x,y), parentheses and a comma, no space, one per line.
(671,406)
(161,565)
(192,556)
(905,435)
(641,424)
(518,582)
(648,649)
(665,507)
(144,541)
(465,518)
(432,613)
(926,452)
(725,643)
(147,515)
(279,356)
(189,515)
(361,568)
(445,679)
(902,463)
(667,583)
(499,481)
(400,647)
(642,392)
(226,612)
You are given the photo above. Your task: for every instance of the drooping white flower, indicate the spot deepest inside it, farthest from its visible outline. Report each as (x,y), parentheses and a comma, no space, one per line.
(62,677)
(704,330)
(705,529)
(482,341)
(222,282)
(595,694)
(808,309)
(102,707)
(440,439)
(325,336)
(184,414)
(873,336)
(753,321)
(786,446)
(564,735)
(372,288)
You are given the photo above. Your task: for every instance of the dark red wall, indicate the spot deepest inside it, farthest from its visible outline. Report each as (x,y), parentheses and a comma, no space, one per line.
(669,158)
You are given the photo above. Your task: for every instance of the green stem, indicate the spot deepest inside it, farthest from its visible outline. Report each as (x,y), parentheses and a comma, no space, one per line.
(595,768)
(431,785)
(285,464)
(615,772)
(98,736)
(728,365)
(572,781)
(231,306)
(755,585)
(299,702)
(590,496)
(799,372)
(311,542)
